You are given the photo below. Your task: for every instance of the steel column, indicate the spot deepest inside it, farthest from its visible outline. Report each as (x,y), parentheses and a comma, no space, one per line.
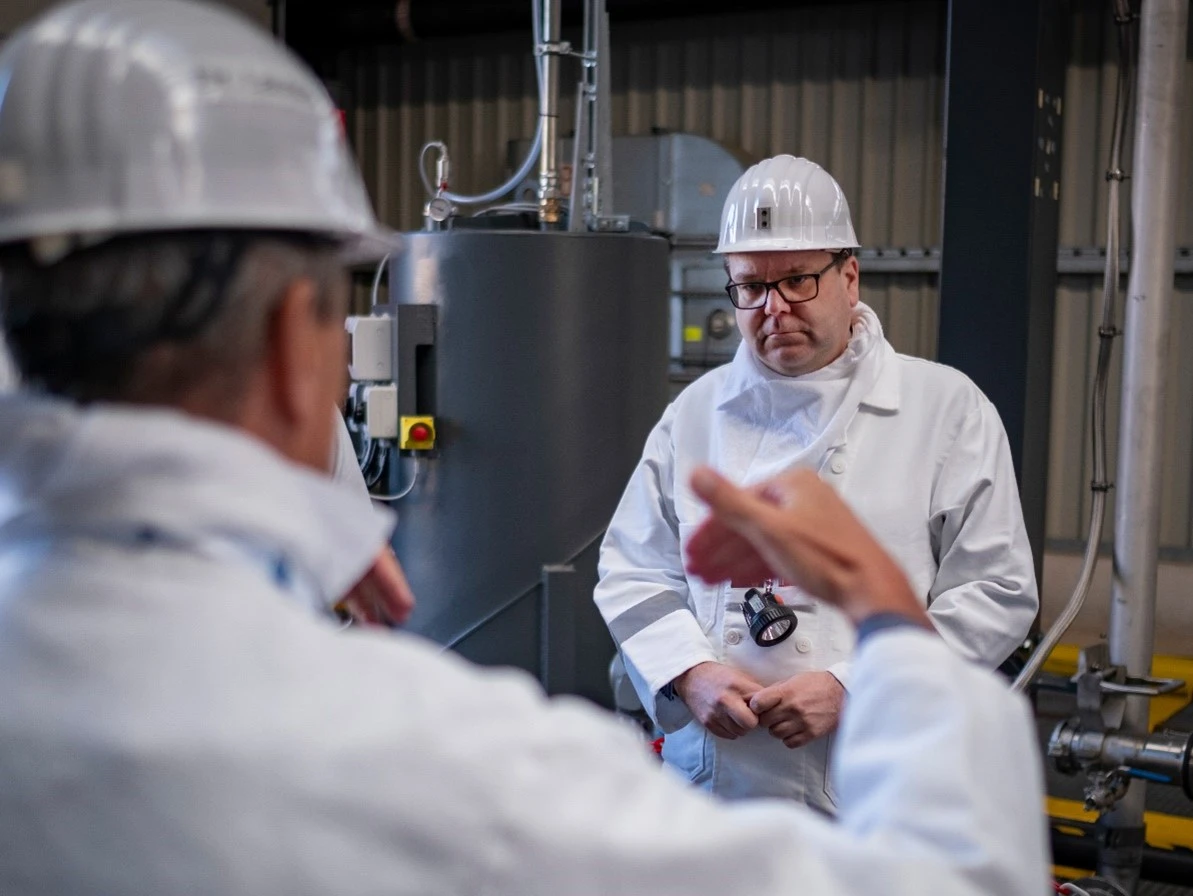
(1005,88)
(1154,190)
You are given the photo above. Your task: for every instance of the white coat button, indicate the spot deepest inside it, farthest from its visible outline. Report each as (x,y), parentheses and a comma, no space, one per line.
(838,464)
(803,643)
(733,637)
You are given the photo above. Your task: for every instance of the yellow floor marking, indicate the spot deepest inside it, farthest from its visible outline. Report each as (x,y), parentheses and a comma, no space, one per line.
(1163,831)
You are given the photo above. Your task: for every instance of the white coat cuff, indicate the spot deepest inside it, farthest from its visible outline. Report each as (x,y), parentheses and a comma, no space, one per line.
(842,672)
(668,714)
(667,648)
(661,652)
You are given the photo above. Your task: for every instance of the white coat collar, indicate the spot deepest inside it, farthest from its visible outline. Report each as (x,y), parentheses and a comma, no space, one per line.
(746,373)
(884,394)
(122,472)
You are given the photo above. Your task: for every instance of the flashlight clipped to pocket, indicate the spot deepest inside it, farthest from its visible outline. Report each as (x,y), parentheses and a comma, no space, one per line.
(770,622)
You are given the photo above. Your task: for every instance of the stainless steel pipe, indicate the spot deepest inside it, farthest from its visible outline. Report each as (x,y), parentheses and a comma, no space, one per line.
(550,200)
(1159,93)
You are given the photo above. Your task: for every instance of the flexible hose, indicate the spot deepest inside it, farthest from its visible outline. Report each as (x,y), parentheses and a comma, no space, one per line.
(527,165)
(398,496)
(1106,333)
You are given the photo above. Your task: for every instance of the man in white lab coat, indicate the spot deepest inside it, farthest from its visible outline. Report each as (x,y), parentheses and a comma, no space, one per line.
(176,719)
(914,447)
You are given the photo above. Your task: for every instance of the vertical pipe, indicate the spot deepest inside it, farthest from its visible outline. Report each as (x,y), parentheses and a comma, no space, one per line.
(576,200)
(603,119)
(1145,351)
(550,205)
(581,204)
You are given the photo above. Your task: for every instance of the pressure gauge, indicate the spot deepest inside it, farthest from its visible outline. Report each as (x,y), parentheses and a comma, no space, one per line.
(438,209)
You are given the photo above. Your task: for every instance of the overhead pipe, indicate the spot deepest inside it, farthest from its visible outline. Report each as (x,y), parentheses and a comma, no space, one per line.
(314,25)
(1163,30)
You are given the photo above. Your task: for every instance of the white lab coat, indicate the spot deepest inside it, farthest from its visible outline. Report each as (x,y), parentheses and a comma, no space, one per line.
(174,720)
(920,455)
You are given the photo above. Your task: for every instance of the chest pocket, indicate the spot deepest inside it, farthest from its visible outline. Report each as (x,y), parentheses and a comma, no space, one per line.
(770,664)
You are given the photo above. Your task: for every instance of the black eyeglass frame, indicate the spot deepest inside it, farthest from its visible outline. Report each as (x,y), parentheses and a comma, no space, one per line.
(731,288)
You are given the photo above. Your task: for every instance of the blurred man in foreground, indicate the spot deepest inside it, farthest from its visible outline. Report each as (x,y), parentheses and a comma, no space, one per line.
(176,718)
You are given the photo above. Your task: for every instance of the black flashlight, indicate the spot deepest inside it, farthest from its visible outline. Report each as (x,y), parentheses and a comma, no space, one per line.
(770,622)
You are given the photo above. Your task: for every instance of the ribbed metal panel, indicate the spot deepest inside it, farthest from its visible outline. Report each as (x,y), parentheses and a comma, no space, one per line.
(1078,315)
(859,87)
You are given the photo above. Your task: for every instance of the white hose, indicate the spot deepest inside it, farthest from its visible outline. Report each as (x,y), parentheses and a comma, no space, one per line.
(398,496)
(527,165)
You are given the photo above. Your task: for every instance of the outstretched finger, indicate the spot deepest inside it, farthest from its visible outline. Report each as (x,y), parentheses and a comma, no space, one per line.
(773,534)
(738,508)
(716,553)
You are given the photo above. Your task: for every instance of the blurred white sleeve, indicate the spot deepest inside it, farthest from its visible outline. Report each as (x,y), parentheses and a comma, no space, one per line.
(937,767)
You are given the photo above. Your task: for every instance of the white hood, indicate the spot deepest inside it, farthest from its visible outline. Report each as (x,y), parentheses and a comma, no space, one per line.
(795,420)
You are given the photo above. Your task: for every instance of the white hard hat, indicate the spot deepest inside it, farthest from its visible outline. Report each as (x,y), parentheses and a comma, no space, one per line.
(126,116)
(785,204)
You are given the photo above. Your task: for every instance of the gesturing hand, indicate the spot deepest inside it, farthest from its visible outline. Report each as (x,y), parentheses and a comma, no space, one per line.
(382,596)
(796,527)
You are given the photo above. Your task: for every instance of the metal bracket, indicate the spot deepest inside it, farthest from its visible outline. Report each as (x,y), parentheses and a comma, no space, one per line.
(612,223)
(556,48)
(1143,686)
(1094,670)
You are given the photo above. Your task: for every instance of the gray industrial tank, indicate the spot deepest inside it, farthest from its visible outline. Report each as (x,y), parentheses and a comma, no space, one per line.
(548,370)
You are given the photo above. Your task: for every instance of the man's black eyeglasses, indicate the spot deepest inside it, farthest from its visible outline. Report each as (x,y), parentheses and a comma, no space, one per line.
(794,289)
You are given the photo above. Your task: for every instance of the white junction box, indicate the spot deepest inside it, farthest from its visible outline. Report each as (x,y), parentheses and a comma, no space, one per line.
(381,411)
(371,338)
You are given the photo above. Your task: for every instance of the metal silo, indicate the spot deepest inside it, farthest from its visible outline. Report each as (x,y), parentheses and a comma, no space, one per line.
(547,370)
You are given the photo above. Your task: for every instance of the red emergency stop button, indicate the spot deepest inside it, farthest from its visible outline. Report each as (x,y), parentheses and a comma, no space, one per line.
(417,434)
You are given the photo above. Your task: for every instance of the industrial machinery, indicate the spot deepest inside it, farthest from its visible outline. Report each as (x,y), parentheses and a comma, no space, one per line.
(1095,742)
(1110,739)
(503,391)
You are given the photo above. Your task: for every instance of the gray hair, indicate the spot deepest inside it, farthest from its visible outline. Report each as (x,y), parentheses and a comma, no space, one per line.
(151,318)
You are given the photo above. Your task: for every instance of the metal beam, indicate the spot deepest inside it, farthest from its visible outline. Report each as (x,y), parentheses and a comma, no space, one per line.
(1004,102)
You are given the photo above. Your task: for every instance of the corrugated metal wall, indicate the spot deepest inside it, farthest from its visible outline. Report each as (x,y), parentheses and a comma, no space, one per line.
(1089,99)
(859,87)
